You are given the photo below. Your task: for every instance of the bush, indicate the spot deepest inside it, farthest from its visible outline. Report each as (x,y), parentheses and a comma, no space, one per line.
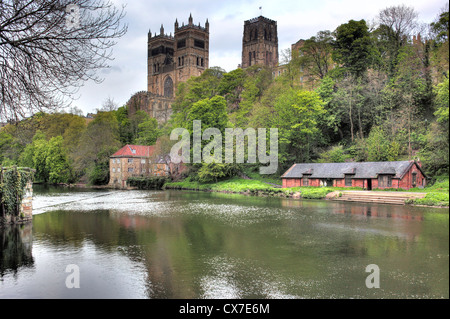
(153,182)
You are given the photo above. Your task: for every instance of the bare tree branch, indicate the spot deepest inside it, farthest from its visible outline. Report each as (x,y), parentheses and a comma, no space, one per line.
(47,51)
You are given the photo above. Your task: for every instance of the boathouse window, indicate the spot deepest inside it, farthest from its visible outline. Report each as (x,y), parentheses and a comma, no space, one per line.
(348,180)
(305,180)
(414,179)
(384,181)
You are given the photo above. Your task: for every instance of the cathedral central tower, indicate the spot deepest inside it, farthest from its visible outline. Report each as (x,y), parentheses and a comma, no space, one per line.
(260,43)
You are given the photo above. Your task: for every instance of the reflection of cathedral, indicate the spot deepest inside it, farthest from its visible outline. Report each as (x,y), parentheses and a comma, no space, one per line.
(171,60)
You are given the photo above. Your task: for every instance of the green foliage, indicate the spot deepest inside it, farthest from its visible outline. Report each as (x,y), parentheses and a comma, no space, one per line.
(147,132)
(353,46)
(211,112)
(12,188)
(212,172)
(442,103)
(56,161)
(144,182)
(433,199)
(297,116)
(336,154)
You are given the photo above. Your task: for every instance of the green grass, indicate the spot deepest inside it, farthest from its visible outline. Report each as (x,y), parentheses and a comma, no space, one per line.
(433,199)
(235,185)
(437,193)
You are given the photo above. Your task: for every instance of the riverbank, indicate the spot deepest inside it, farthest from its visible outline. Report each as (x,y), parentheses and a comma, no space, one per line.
(436,195)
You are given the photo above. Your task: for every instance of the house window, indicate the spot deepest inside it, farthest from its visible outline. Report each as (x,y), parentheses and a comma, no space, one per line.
(130,169)
(143,161)
(348,180)
(114,170)
(118,160)
(130,160)
(114,161)
(384,181)
(118,170)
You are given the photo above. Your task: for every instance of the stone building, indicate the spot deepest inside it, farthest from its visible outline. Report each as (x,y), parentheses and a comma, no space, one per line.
(134,160)
(171,59)
(260,43)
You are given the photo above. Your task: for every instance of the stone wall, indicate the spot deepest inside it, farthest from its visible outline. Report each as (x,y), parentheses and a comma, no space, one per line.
(26,208)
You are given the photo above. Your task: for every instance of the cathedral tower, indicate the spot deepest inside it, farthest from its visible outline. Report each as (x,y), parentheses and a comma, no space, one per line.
(174,59)
(260,43)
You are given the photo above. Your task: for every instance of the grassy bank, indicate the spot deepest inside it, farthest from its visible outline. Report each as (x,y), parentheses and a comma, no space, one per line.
(437,194)
(253,187)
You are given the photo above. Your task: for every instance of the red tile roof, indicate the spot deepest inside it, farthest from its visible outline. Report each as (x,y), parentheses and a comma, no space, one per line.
(134,151)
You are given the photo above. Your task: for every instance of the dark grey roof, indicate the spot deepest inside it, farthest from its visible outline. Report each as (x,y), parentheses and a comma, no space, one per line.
(357,169)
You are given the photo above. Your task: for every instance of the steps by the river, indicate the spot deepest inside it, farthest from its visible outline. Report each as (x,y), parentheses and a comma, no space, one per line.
(396,198)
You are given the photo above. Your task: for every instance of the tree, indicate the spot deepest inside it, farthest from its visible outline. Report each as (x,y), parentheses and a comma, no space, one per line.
(315,56)
(297,116)
(49,48)
(353,47)
(57,162)
(99,141)
(147,132)
(396,25)
(109,105)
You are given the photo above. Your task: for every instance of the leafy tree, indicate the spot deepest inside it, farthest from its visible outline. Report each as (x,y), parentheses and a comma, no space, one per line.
(212,112)
(315,56)
(147,132)
(213,172)
(297,116)
(336,154)
(99,141)
(353,47)
(57,162)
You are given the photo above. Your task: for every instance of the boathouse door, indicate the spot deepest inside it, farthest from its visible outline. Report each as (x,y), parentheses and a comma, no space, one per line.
(369,184)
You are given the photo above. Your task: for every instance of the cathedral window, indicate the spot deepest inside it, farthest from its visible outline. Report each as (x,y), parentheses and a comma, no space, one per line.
(168,87)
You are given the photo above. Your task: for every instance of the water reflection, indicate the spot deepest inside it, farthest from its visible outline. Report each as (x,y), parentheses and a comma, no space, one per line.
(135,244)
(15,248)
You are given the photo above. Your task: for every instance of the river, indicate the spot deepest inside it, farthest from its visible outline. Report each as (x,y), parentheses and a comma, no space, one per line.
(180,244)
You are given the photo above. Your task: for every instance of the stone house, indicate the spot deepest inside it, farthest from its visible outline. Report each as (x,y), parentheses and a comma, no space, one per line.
(135,160)
(367,175)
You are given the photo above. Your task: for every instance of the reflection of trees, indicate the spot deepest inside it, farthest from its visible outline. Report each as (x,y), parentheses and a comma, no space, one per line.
(15,247)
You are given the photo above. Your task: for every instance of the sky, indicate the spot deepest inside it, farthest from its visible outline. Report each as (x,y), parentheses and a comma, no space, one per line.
(296,19)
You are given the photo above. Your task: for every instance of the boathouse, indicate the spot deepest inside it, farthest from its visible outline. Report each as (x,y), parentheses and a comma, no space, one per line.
(367,175)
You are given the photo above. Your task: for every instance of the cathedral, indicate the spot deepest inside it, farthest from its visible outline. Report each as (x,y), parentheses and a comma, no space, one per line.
(173,59)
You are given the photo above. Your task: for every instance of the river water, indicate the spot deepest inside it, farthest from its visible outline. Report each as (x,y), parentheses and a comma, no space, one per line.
(179,244)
